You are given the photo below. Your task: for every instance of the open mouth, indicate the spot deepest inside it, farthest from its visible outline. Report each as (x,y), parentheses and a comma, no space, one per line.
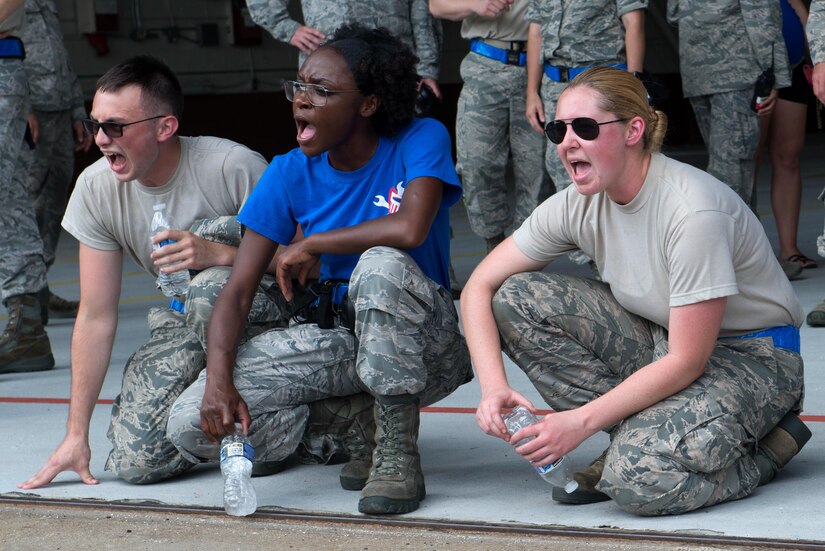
(305,130)
(116,161)
(580,168)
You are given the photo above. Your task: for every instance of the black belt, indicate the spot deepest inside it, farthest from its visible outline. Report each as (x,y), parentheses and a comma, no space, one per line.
(12,48)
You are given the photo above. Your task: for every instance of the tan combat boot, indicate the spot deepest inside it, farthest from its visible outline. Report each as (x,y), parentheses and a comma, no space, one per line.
(780,445)
(396,483)
(587,479)
(24,345)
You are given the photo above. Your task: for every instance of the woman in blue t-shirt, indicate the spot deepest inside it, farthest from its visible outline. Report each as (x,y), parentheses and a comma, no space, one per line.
(370,188)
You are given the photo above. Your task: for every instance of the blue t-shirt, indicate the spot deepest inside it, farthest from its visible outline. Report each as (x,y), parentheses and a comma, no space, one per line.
(793,33)
(296,189)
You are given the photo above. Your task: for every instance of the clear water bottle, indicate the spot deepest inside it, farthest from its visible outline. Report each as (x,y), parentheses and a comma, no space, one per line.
(237,454)
(557,473)
(175,283)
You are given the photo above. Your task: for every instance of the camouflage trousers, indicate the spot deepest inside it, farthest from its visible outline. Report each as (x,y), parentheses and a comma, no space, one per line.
(162,368)
(694,449)
(490,130)
(406,341)
(50,175)
(730,130)
(22,270)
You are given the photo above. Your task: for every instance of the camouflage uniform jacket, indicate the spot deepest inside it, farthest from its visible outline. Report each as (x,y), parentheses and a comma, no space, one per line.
(581,34)
(410,20)
(53,85)
(724,45)
(816,31)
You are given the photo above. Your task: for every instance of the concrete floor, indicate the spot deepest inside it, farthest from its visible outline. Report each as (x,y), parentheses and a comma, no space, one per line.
(470,477)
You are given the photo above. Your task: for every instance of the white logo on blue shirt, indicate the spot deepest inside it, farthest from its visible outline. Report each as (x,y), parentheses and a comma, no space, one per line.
(394,203)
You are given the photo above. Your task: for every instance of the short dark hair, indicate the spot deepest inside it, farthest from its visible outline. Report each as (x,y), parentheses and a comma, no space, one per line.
(156,80)
(382,65)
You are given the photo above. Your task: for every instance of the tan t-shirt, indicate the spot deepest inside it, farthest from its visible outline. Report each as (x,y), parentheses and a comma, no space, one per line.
(685,238)
(511,26)
(214,178)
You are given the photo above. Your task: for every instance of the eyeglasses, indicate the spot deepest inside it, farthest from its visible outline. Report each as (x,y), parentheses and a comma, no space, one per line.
(111,129)
(315,93)
(584,127)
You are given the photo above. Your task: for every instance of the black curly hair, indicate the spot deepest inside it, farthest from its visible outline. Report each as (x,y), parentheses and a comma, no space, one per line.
(384,66)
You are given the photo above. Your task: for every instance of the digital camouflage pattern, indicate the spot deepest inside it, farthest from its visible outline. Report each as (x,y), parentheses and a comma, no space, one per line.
(165,366)
(577,34)
(724,45)
(50,175)
(406,341)
(57,102)
(409,20)
(730,153)
(691,450)
(815,30)
(582,34)
(53,85)
(22,269)
(490,129)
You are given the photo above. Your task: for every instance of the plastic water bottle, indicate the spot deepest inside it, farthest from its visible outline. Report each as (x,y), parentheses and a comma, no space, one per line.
(558,472)
(175,283)
(237,454)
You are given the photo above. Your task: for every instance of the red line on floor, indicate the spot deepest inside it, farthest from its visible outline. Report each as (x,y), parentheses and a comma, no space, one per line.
(430,409)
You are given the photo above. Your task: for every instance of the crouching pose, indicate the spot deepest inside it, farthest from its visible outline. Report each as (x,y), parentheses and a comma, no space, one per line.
(688,353)
(371,188)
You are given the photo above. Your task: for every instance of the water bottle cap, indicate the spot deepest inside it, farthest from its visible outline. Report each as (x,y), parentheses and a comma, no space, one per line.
(159,206)
(571,486)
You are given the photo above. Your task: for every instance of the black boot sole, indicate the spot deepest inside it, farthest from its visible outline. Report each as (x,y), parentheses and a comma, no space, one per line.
(26,365)
(382,505)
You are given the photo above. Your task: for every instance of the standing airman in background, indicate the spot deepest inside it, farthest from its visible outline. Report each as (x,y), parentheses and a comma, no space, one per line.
(490,124)
(409,20)
(723,48)
(24,345)
(57,105)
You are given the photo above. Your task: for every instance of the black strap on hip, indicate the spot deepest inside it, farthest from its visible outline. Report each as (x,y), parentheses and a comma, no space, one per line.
(314,303)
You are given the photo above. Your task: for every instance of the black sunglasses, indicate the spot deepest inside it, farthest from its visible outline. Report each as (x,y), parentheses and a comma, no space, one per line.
(111,129)
(584,127)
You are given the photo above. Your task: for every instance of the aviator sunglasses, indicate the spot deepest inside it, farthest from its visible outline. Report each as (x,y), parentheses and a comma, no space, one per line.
(584,127)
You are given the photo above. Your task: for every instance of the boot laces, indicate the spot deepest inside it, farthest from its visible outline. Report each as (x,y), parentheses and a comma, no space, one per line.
(388,458)
(11,327)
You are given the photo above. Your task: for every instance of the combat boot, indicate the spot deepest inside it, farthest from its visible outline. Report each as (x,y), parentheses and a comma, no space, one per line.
(396,483)
(587,479)
(352,418)
(341,429)
(56,307)
(493,242)
(780,445)
(24,345)
(60,308)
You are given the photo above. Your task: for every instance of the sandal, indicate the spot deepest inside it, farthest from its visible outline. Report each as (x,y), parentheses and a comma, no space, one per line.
(802,260)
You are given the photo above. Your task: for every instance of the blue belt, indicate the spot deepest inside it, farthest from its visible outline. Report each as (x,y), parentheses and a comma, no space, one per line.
(566,74)
(784,336)
(508,57)
(176,305)
(12,48)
